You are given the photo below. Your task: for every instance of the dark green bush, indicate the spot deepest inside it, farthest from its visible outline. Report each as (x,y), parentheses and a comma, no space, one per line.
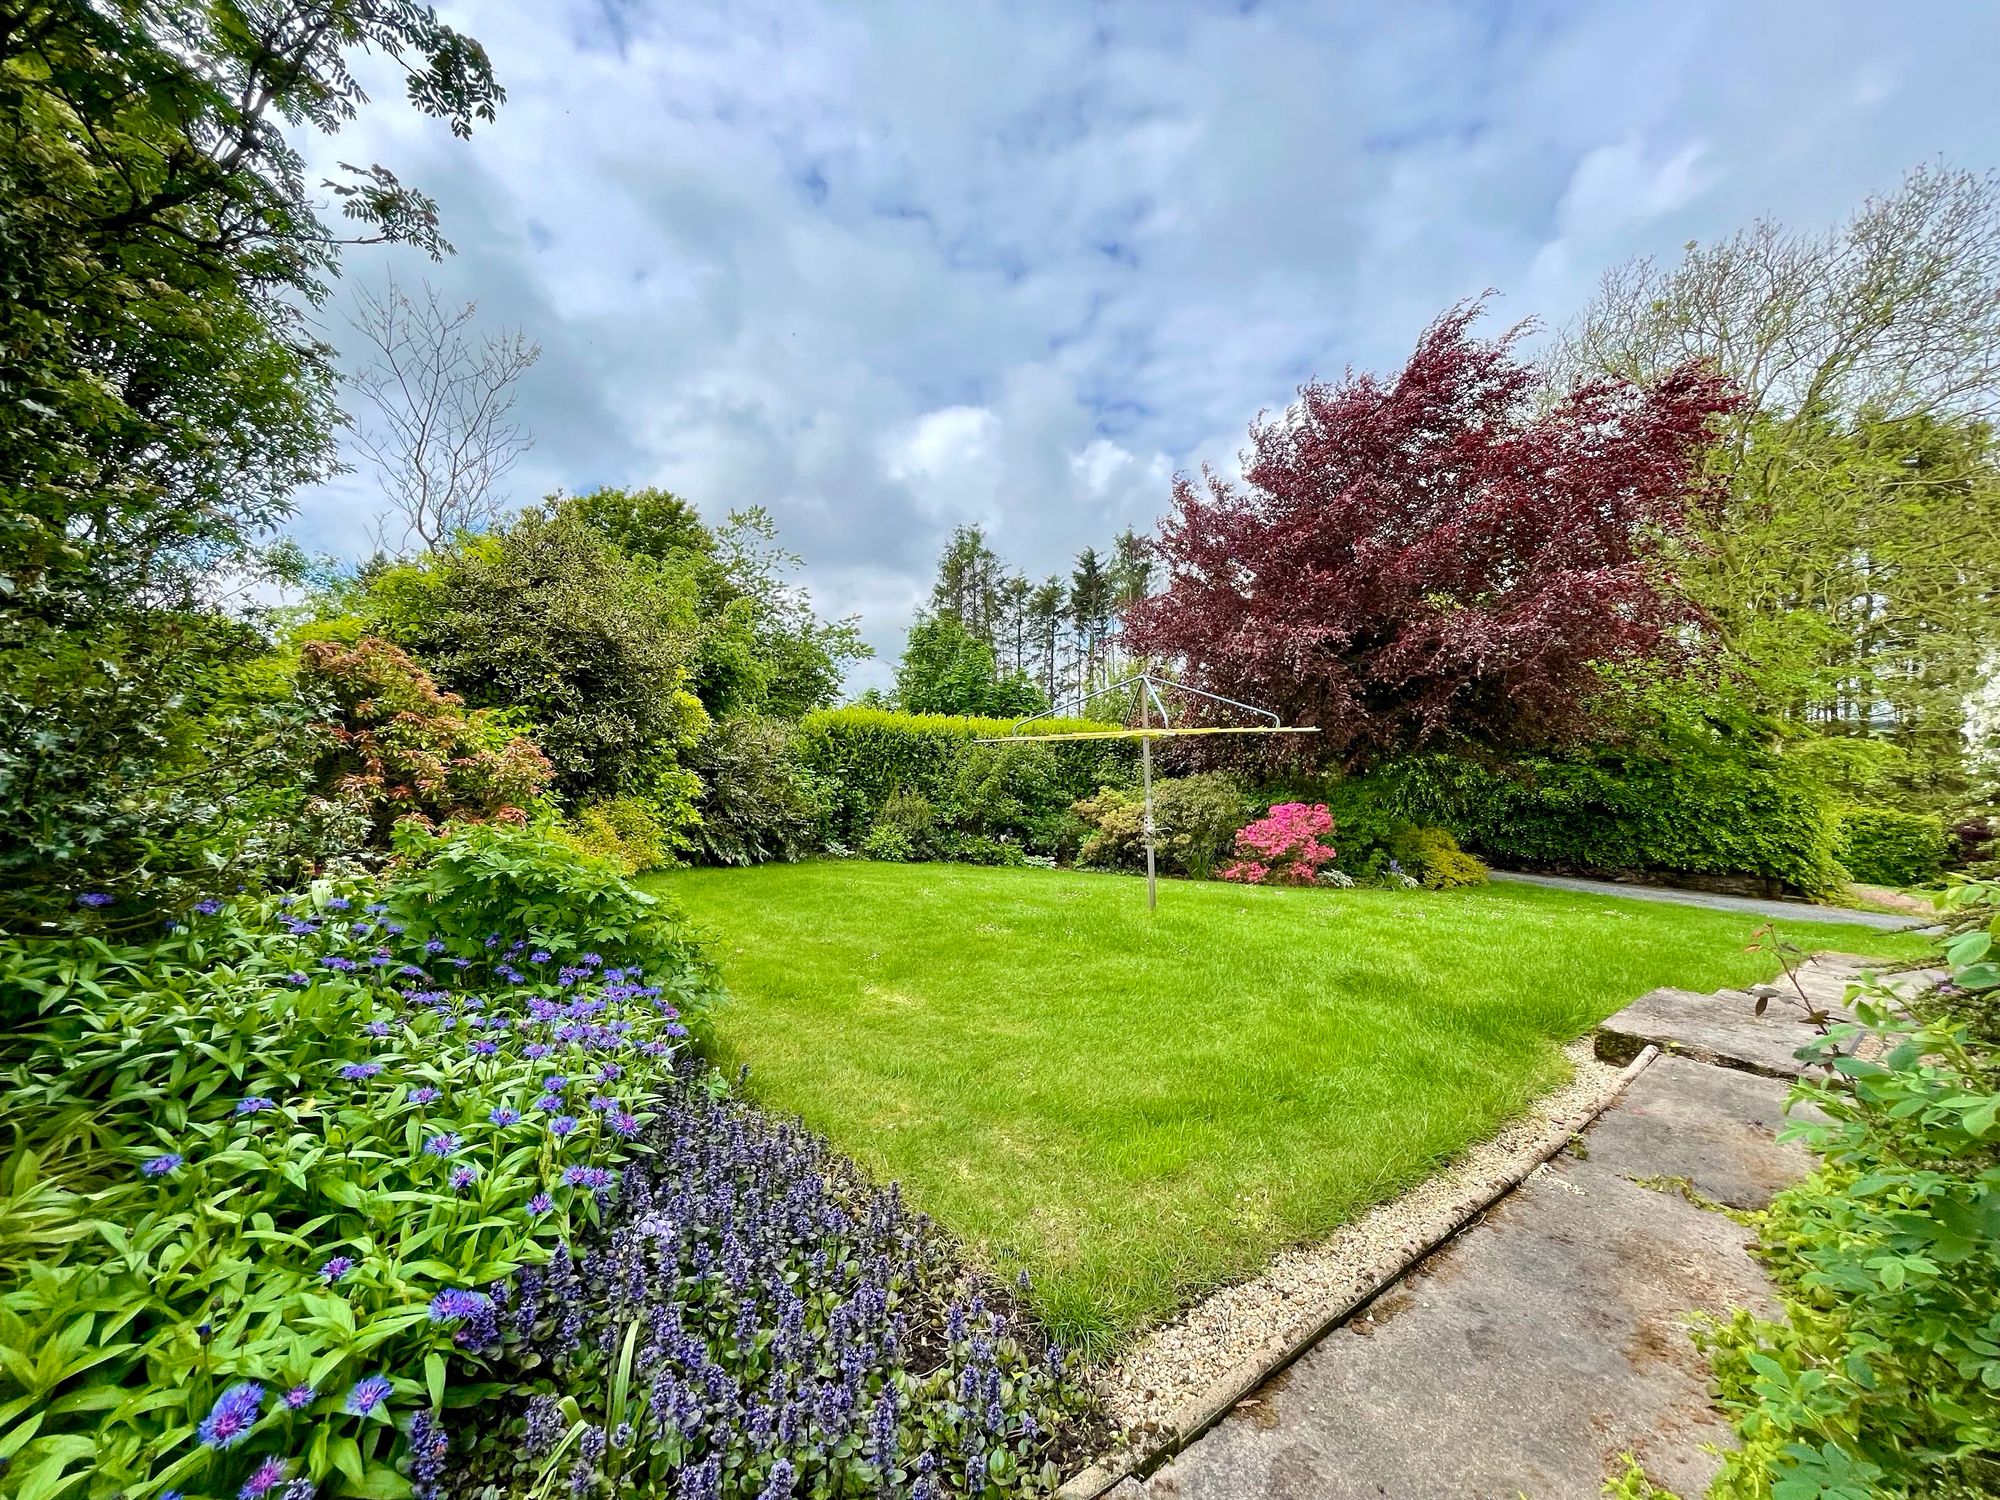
(1882,846)
(758,800)
(867,755)
(1710,808)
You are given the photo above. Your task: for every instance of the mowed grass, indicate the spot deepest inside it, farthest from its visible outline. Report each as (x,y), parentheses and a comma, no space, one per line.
(1137,1107)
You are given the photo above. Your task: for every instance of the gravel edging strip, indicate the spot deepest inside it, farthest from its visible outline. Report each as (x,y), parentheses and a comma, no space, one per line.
(1188,1419)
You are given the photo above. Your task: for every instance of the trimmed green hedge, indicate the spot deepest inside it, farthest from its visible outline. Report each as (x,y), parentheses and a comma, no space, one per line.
(1882,846)
(867,755)
(1703,809)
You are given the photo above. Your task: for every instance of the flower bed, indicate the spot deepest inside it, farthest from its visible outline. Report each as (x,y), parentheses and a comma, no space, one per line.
(294,1185)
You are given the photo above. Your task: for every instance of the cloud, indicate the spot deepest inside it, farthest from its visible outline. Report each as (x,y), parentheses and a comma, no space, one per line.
(887,270)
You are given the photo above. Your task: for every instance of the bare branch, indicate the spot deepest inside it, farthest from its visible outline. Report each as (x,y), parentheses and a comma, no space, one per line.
(440,430)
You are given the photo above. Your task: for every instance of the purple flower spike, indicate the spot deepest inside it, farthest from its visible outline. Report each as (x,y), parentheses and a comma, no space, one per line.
(234,1414)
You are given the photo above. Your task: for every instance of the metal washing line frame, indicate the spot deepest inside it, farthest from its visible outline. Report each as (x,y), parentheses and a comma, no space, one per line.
(1145,686)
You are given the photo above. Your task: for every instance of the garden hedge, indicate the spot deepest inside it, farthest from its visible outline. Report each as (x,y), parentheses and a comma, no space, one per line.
(866,755)
(1885,847)
(1697,810)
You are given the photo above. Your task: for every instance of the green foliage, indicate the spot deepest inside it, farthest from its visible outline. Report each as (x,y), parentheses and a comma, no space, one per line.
(905,829)
(208,1123)
(1432,857)
(1881,1381)
(947,670)
(621,830)
(591,648)
(159,759)
(758,800)
(1884,847)
(1703,804)
(863,756)
(396,747)
(1195,819)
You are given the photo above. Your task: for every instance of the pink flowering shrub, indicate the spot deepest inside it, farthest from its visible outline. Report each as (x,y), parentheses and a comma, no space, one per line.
(1284,847)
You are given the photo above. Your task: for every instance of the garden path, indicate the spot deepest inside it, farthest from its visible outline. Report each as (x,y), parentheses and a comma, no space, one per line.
(1547,1340)
(1784,911)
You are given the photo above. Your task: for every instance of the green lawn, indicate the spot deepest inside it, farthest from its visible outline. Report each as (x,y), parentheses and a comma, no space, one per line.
(1138,1107)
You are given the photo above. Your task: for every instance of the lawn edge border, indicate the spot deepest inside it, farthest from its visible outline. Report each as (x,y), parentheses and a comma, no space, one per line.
(1200,1412)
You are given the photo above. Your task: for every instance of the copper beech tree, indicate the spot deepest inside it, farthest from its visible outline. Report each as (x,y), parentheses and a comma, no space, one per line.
(1439,557)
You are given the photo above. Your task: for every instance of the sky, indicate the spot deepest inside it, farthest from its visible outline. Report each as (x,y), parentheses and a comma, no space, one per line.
(886,269)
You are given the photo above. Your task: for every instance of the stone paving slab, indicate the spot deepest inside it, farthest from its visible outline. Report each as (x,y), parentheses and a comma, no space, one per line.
(1525,1356)
(1722,1028)
(1714,1128)
(1725,1028)
(1755,906)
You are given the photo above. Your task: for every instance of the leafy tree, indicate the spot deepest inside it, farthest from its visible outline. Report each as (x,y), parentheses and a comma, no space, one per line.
(1852,566)
(162,392)
(969,584)
(1429,559)
(947,670)
(590,650)
(645,522)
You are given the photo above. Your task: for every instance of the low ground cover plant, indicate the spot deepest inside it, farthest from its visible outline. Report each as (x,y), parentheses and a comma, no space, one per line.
(1883,1379)
(756,1318)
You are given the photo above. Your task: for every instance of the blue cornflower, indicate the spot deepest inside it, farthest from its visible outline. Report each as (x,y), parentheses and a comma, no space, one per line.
(266,1477)
(377,1028)
(505,1114)
(555,1081)
(234,1414)
(463,1178)
(434,947)
(562,1125)
(624,1123)
(93,898)
(368,1394)
(161,1165)
(610,1073)
(441,1145)
(255,1104)
(298,977)
(539,956)
(209,907)
(336,1268)
(394,929)
(339,903)
(536,1051)
(591,960)
(299,1397)
(549,1101)
(356,1072)
(424,1095)
(381,960)
(410,971)
(335,961)
(587,1177)
(453,1305)
(484,1048)
(541,1203)
(376,908)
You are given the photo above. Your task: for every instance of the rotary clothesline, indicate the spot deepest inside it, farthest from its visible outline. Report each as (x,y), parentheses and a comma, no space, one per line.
(1146,687)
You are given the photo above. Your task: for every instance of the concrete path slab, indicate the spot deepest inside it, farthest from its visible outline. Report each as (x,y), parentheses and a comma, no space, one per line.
(1527,1355)
(1784,911)
(1722,1028)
